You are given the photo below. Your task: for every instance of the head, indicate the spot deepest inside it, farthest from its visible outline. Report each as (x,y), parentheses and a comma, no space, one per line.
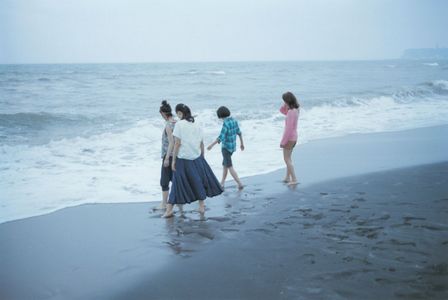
(223,112)
(184,112)
(165,110)
(290,100)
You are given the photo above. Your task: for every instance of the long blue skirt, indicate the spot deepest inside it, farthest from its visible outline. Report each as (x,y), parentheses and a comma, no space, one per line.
(193,180)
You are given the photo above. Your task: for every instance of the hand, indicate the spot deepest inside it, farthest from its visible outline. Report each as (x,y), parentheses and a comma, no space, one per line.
(173,166)
(209,147)
(242,147)
(166,162)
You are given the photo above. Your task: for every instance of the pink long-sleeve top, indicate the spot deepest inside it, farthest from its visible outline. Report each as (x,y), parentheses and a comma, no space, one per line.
(292,117)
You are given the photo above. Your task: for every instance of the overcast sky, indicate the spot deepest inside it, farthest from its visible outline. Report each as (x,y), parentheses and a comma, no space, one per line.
(73,31)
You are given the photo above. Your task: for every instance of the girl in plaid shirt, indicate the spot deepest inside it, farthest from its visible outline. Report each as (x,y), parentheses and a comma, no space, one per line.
(227,138)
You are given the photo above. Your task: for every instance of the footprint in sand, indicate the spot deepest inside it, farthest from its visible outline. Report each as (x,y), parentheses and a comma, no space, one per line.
(262,230)
(441,200)
(335,236)
(308,225)
(271,225)
(433,227)
(238,222)
(219,219)
(368,232)
(401,243)
(407,219)
(230,230)
(303,211)
(318,216)
(360,199)
(283,223)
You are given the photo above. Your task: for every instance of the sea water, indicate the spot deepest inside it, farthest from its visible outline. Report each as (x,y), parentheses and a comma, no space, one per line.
(91,133)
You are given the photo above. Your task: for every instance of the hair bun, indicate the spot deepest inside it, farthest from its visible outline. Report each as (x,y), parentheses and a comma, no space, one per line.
(164,102)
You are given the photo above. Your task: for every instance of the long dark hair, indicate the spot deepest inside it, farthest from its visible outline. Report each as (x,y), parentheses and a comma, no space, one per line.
(166,109)
(186,112)
(291,100)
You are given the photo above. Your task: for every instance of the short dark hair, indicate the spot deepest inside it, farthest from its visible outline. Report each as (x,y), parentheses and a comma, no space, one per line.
(166,108)
(291,100)
(186,112)
(223,112)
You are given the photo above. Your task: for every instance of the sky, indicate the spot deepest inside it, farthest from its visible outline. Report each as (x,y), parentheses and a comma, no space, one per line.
(97,31)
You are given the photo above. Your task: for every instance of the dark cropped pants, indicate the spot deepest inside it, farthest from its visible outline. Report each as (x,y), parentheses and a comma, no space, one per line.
(166,176)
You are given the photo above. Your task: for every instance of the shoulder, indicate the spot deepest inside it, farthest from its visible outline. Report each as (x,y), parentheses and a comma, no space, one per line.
(179,126)
(231,120)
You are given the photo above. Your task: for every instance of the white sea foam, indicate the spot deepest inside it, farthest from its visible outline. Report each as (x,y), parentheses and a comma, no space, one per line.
(125,166)
(432,64)
(441,84)
(217,72)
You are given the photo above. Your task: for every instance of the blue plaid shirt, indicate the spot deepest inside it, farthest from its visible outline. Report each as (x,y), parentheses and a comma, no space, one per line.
(229,130)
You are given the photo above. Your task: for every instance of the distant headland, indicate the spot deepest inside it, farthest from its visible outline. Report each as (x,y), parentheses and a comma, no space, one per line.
(425,53)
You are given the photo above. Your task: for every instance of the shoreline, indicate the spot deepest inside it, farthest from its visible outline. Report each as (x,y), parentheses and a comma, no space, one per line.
(305,150)
(357,226)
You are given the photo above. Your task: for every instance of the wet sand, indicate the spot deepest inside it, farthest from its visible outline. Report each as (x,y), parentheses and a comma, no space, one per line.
(341,234)
(378,236)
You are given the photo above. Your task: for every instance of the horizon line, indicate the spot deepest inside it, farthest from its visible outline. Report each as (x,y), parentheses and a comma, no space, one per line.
(197,62)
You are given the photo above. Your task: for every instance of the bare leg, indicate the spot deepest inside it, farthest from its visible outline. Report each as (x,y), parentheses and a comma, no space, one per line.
(286,159)
(169,211)
(235,176)
(181,208)
(290,167)
(201,206)
(164,200)
(224,175)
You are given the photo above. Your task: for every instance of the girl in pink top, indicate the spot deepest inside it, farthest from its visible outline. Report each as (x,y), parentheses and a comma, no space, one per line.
(290,108)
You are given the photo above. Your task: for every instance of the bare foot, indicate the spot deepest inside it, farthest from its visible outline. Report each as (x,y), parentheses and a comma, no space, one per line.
(293,183)
(201,209)
(168,215)
(240,187)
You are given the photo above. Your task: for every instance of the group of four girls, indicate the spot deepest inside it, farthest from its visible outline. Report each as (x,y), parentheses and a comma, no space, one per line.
(184,164)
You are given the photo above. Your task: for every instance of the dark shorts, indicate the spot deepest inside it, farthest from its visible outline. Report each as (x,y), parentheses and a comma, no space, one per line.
(226,158)
(166,176)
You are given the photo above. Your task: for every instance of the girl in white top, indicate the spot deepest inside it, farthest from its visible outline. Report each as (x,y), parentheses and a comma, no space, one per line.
(193,178)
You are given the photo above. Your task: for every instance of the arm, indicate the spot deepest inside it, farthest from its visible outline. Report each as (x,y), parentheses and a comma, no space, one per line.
(212,144)
(220,138)
(284,109)
(169,133)
(202,148)
(177,143)
(241,141)
(240,135)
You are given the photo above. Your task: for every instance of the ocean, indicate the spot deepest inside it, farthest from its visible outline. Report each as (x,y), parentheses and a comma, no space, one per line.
(91,133)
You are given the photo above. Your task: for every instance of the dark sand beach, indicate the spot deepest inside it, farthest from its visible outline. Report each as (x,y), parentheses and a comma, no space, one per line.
(368,221)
